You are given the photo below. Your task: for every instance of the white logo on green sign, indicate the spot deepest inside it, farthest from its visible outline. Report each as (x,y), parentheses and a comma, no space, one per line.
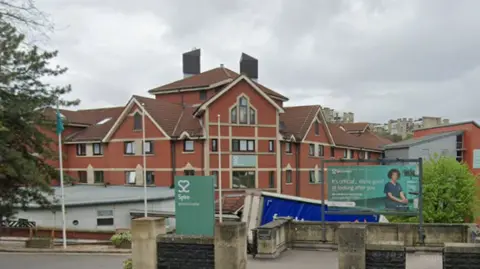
(183,185)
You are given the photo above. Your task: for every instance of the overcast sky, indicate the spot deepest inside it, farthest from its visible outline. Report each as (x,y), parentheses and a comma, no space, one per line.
(378,59)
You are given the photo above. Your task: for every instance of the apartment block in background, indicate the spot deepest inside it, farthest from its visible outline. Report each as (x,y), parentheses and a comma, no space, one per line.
(334,116)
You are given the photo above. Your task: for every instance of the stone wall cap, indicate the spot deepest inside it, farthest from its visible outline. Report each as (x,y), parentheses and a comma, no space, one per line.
(462,248)
(274,224)
(185,239)
(386,246)
(148,219)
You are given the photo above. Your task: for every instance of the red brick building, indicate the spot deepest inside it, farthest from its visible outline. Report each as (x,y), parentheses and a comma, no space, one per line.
(264,143)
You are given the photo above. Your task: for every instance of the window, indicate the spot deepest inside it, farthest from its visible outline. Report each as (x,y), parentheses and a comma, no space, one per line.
(130,177)
(367,155)
(332,152)
(98,177)
(271,179)
(214,145)
(317,127)
(137,121)
(243,180)
(271,146)
(288,176)
(288,147)
(215,182)
(321,150)
(311,150)
(243,112)
(203,95)
(188,146)
(148,147)
(233,115)
(105,217)
(351,154)
(97,149)
(129,147)
(252,116)
(189,172)
(150,178)
(82,176)
(242,145)
(243,109)
(81,149)
(311,178)
(345,153)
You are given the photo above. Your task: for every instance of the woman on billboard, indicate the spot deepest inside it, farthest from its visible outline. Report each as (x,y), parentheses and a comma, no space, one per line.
(395,198)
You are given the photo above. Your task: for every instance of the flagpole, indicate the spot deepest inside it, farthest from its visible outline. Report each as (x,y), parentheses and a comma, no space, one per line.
(60,156)
(219,148)
(144,162)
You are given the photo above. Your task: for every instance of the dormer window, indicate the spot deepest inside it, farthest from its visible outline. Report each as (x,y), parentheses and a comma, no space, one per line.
(243,112)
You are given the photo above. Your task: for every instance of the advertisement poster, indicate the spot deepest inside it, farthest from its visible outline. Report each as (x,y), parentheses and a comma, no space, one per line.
(381,188)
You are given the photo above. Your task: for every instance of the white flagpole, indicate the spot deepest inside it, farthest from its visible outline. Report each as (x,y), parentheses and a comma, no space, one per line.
(219,148)
(144,162)
(60,156)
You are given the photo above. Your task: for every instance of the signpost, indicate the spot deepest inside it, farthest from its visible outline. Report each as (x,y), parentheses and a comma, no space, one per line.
(195,205)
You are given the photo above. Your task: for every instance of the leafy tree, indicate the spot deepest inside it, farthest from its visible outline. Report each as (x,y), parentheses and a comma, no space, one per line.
(25,177)
(449,192)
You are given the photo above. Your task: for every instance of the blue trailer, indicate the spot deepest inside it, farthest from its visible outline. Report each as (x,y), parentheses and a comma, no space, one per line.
(263,207)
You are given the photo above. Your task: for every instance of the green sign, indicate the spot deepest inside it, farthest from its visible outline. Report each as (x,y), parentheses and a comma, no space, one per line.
(244,160)
(379,188)
(195,205)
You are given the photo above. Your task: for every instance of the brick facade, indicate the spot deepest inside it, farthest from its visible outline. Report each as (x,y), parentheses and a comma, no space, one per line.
(270,150)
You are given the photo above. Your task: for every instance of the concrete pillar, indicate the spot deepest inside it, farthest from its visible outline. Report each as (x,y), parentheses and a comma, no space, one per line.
(231,245)
(144,241)
(351,246)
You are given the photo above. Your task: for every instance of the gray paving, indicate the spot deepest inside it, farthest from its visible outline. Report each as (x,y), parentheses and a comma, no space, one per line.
(289,260)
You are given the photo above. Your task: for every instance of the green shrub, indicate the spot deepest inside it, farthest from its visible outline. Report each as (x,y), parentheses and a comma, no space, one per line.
(127,264)
(118,239)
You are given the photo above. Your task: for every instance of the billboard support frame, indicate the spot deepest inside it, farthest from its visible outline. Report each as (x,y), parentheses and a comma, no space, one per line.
(419,162)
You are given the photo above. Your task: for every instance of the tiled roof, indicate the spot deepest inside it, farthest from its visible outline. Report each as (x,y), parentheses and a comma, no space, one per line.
(172,118)
(207,78)
(354,127)
(297,119)
(231,203)
(367,140)
(82,116)
(415,141)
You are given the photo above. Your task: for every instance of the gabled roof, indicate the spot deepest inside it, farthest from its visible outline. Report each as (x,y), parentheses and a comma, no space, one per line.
(210,79)
(420,140)
(365,140)
(82,116)
(296,120)
(227,87)
(354,127)
(172,119)
(232,203)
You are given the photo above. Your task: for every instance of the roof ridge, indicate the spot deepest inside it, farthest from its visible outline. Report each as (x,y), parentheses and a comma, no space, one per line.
(306,118)
(300,106)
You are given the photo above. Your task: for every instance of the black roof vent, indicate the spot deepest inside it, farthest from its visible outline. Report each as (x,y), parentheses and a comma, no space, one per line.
(191,63)
(249,66)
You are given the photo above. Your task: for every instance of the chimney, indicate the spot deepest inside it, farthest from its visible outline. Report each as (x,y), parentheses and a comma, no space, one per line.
(249,66)
(191,63)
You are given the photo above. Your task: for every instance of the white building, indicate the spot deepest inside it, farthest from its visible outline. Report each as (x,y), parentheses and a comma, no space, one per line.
(102,208)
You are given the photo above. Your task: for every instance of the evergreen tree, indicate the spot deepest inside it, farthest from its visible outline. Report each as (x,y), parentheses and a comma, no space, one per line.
(25,174)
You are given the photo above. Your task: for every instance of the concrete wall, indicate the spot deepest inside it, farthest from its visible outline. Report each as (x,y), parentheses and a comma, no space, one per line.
(276,236)
(396,153)
(445,146)
(87,215)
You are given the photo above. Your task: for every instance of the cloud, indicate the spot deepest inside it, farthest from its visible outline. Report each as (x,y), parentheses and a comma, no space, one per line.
(379,59)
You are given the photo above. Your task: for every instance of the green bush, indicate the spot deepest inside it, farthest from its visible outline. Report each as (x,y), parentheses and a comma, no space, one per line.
(127,264)
(449,192)
(119,238)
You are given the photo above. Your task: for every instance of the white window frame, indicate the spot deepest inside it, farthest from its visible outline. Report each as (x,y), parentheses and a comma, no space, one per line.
(97,149)
(130,177)
(188,146)
(129,147)
(106,214)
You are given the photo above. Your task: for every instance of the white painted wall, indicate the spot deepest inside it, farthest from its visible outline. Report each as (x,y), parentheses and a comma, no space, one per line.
(87,215)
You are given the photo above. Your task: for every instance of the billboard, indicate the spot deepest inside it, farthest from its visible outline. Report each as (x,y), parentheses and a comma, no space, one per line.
(387,189)
(195,205)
